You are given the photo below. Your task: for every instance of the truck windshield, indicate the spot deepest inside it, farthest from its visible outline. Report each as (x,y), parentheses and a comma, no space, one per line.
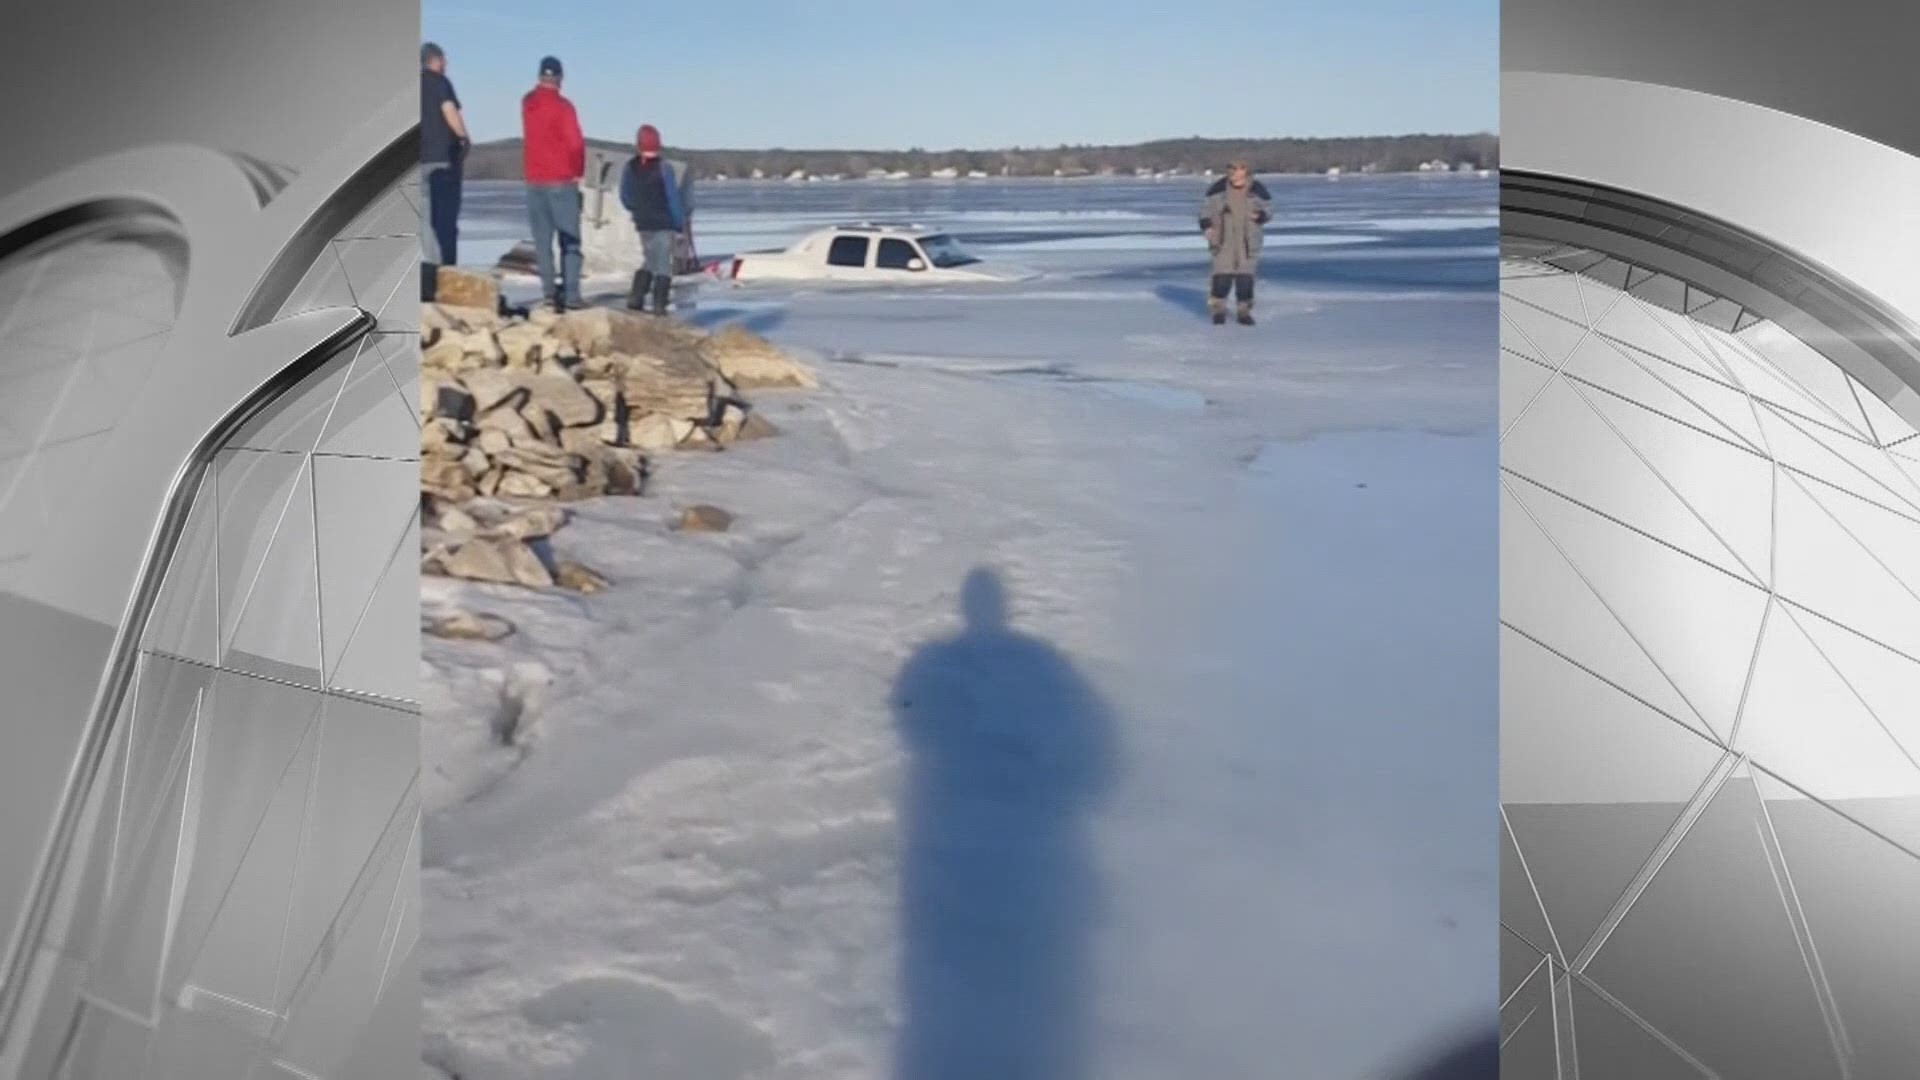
(945,252)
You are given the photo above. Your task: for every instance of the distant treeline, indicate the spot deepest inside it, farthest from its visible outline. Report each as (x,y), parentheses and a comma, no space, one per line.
(500,160)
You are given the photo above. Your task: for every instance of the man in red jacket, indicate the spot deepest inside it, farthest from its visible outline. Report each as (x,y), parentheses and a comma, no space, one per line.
(554,158)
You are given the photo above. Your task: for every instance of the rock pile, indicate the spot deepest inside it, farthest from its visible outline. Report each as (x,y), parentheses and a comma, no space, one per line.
(524,414)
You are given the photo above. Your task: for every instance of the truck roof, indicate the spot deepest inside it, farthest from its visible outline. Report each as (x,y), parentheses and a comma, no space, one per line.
(891,228)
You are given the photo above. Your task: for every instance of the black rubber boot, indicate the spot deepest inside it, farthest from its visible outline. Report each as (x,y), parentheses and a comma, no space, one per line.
(642,287)
(429,282)
(662,295)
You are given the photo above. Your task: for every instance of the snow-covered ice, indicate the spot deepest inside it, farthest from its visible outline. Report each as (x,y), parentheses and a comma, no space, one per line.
(1083,691)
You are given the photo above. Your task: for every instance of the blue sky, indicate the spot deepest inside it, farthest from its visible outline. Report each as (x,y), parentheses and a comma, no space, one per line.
(873,74)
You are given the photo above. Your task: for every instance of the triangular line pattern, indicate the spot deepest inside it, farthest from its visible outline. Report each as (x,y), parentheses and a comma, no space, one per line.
(192,980)
(1828,516)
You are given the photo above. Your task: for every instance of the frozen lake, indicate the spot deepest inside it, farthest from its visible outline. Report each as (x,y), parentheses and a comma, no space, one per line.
(1084,692)
(1453,219)
(1124,288)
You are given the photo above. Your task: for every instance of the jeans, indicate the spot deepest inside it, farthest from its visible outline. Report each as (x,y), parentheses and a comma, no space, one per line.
(1240,284)
(657,250)
(440,213)
(554,210)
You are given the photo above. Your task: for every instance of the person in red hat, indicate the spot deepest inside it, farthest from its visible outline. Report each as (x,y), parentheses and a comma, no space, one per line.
(658,194)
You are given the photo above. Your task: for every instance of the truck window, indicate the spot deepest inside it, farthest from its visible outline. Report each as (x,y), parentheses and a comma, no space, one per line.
(848,251)
(895,254)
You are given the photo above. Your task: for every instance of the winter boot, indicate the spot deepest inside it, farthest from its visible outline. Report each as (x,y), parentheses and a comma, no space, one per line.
(1218,309)
(642,287)
(662,295)
(429,282)
(1245,316)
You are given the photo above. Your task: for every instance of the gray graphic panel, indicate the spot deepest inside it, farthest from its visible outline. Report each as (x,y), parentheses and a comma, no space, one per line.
(244,889)
(208,463)
(1711,618)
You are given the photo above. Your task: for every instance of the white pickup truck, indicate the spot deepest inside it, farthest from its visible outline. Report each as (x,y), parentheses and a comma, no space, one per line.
(869,254)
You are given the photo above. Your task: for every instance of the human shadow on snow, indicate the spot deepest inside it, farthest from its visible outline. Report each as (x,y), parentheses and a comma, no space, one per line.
(1474,1057)
(1189,298)
(1009,749)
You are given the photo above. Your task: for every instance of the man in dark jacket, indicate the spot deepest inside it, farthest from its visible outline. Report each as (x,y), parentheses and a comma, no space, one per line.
(1235,211)
(554,158)
(443,149)
(659,195)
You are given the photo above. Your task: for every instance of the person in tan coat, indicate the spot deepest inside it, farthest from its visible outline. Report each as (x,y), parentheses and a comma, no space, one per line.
(1236,209)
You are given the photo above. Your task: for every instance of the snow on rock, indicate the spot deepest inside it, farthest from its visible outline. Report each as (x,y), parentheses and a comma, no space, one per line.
(750,361)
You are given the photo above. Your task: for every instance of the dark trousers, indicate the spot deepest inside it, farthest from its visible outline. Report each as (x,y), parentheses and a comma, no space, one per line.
(443,183)
(1241,286)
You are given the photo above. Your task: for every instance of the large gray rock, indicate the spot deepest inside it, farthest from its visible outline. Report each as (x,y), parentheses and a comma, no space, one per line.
(441,437)
(704,519)
(491,388)
(502,561)
(528,522)
(752,362)
(605,388)
(626,472)
(579,578)
(527,568)
(560,397)
(447,399)
(523,345)
(679,385)
(446,480)
(657,432)
(463,289)
(476,462)
(756,426)
(455,521)
(444,356)
(520,485)
(478,560)
(466,626)
(599,332)
(732,419)
(436,319)
(508,422)
(584,441)
(481,346)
